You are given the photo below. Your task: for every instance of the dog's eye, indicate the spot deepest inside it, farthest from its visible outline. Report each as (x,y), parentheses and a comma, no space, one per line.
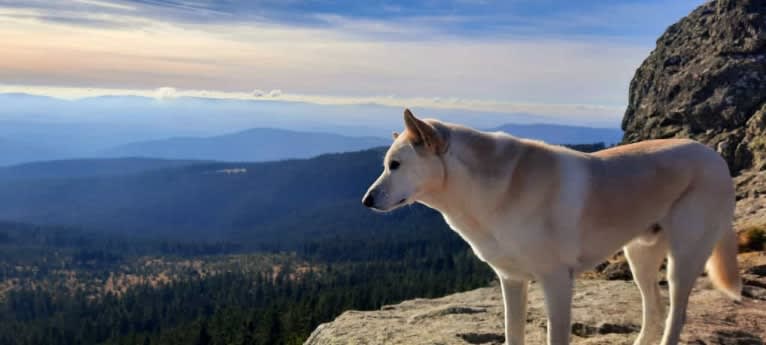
(393,165)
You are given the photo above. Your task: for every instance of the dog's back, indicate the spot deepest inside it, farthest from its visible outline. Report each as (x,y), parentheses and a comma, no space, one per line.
(640,182)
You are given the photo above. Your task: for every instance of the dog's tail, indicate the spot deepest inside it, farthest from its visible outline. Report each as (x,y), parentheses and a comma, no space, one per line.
(722,266)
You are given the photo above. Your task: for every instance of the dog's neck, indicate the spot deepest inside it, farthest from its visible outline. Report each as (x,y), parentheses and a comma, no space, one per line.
(450,196)
(439,197)
(475,164)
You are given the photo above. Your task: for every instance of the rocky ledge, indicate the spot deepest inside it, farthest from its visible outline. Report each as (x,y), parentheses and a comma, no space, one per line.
(604,312)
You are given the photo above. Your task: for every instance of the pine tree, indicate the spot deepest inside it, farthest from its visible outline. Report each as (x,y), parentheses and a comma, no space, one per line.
(204,337)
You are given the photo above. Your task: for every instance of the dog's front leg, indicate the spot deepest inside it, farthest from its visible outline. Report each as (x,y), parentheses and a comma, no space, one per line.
(557,289)
(515,299)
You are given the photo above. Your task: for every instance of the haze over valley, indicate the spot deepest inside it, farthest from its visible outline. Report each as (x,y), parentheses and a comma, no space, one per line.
(37,128)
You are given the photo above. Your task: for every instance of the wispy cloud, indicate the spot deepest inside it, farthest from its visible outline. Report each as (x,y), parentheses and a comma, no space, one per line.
(574,113)
(561,58)
(163,93)
(108,4)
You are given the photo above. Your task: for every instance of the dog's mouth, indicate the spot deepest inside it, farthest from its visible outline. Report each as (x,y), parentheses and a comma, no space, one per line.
(400,203)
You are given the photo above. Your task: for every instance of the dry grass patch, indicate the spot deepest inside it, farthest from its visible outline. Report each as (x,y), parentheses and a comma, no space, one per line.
(752,238)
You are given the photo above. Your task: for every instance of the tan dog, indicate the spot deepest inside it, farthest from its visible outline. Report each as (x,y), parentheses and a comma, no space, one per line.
(534,211)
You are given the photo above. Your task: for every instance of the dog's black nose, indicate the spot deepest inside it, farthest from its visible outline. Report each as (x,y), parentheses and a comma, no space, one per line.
(368,200)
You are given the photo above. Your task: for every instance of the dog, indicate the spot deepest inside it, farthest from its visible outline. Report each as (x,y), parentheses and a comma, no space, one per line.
(535,211)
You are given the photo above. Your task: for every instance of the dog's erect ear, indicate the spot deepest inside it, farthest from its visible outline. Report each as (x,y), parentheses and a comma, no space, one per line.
(423,133)
(395,135)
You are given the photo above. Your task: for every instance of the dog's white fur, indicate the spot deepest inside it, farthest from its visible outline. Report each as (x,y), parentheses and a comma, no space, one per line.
(540,212)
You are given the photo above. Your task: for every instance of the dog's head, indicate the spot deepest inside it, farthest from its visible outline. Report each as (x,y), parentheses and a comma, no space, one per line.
(413,165)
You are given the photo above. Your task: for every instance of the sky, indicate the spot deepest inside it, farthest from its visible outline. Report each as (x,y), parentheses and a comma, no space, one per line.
(559,59)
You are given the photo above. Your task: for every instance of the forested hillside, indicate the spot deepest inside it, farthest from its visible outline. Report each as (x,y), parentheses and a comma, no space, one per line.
(65,286)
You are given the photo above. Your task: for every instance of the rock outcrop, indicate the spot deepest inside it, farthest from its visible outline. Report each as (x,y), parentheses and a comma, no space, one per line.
(604,312)
(706,79)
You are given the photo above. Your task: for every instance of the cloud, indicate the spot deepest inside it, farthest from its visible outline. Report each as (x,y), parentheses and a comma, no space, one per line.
(495,56)
(165,93)
(108,4)
(317,61)
(258,93)
(590,114)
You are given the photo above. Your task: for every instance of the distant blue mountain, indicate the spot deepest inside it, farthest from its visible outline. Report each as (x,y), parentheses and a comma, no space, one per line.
(12,152)
(253,145)
(106,121)
(35,128)
(81,168)
(560,134)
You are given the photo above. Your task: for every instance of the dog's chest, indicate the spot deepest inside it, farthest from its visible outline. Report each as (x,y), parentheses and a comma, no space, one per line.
(507,249)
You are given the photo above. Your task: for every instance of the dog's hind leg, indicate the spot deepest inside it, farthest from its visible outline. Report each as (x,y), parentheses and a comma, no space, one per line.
(645,261)
(694,224)
(682,273)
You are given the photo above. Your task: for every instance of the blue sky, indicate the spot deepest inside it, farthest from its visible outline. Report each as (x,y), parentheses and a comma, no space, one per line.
(478,18)
(567,59)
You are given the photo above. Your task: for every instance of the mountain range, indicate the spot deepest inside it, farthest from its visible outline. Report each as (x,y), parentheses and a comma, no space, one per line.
(268,144)
(15,152)
(36,128)
(253,145)
(82,168)
(563,135)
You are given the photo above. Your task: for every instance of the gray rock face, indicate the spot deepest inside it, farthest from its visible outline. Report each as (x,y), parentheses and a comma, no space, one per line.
(604,312)
(706,79)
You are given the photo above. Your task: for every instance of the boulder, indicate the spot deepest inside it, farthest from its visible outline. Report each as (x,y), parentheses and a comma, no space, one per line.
(706,79)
